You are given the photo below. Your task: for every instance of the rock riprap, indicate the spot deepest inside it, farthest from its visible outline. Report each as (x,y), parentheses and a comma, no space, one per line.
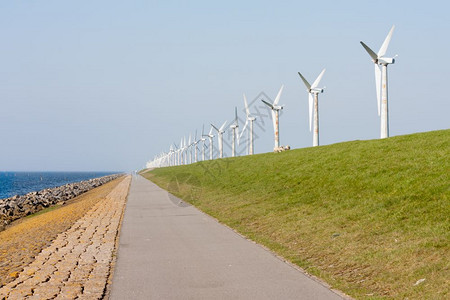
(16,207)
(78,262)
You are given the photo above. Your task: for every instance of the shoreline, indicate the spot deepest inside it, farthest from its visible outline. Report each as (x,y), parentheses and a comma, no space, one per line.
(20,183)
(19,206)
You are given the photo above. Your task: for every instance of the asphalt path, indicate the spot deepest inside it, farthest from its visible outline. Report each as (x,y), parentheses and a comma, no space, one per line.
(171,250)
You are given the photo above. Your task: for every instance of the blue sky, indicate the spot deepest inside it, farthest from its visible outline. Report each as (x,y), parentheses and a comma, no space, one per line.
(106,85)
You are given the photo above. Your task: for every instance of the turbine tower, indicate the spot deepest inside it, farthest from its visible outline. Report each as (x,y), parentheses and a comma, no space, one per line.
(234,127)
(381,81)
(220,132)
(313,102)
(275,116)
(249,120)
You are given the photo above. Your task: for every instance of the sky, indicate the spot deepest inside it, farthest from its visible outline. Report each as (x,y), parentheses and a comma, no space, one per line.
(107,85)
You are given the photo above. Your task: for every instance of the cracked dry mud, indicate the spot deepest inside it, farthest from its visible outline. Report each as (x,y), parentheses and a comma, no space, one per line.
(78,262)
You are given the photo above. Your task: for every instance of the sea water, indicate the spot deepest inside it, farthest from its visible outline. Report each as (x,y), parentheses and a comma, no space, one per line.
(20,183)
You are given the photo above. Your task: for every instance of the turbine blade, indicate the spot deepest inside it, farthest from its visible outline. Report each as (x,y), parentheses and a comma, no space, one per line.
(214,128)
(223,125)
(308,86)
(243,129)
(316,82)
(310,104)
(235,116)
(378,86)
(210,131)
(371,53)
(277,99)
(246,106)
(385,45)
(267,103)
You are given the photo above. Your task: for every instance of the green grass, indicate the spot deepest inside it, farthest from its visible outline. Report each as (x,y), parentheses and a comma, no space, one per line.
(369,217)
(43,211)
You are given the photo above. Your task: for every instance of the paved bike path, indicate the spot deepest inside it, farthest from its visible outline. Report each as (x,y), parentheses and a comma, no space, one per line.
(170,250)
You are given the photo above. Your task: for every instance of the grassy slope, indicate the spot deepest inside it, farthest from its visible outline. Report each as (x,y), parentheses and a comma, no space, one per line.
(369,217)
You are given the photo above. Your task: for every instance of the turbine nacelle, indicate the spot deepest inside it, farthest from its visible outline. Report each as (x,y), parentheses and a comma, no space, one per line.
(385,60)
(316,90)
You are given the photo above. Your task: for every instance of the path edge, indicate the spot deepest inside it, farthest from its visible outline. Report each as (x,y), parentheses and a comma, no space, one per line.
(112,267)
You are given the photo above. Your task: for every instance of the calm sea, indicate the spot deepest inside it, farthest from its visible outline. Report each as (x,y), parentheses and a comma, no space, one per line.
(20,183)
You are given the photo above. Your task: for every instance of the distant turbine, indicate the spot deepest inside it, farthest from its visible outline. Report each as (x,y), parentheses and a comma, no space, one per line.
(313,101)
(275,116)
(249,120)
(171,155)
(203,143)
(180,156)
(381,81)
(220,132)
(189,146)
(210,137)
(234,127)
(195,147)
(185,147)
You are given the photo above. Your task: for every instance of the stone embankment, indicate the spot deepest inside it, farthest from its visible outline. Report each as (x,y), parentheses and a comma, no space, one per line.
(16,207)
(78,263)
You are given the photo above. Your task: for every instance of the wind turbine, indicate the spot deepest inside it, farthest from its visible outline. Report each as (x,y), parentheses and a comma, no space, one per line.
(195,147)
(249,120)
(189,149)
(203,143)
(180,156)
(220,132)
(313,102)
(210,136)
(275,116)
(234,127)
(171,155)
(381,81)
(185,150)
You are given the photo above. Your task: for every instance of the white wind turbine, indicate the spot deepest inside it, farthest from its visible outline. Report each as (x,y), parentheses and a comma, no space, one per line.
(210,137)
(313,102)
(180,156)
(195,147)
(220,132)
(171,155)
(235,129)
(249,120)
(189,150)
(203,139)
(275,116)
(381,81)
(185,150)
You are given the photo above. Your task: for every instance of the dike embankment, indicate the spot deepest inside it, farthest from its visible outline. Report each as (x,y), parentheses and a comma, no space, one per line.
(19,206)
